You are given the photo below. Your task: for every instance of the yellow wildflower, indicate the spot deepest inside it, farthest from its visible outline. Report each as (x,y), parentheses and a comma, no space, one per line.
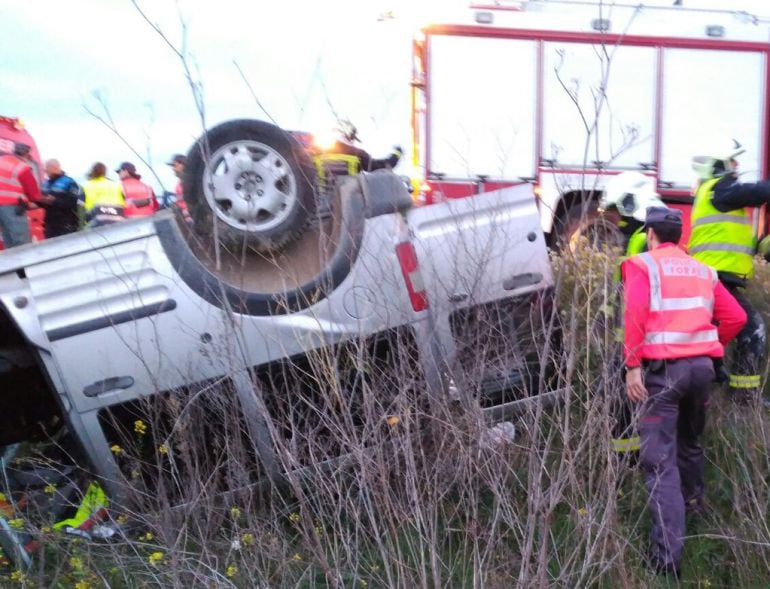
(16,523)
(76,563)
(50,489)
(235,513)
(147,537)
(82,585)
(294,518)
(19,576)
(135,474)
(115,449)
(121,519)
(163,449)
(296,557)
(156,558)
(582,511)
(247,539)
(46,530)
(140,427)
(231,571)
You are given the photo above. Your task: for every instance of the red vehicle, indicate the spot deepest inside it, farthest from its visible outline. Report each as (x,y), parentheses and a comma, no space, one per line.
(12,130)
(563,95)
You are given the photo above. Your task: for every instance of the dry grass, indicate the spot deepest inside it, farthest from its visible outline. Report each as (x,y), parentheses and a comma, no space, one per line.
(417,500)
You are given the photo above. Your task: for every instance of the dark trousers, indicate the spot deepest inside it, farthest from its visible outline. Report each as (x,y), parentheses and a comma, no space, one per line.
(748,353)
(14,226)
(671,457)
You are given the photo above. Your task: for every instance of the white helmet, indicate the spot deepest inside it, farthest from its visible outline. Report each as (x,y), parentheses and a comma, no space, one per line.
(717,161)
(631,193)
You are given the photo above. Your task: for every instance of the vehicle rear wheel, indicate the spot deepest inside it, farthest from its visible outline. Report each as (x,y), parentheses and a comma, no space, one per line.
(251,180)
(584,223)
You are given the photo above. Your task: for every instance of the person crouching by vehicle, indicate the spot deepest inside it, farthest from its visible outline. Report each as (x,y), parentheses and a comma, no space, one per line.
(104,202)
(18,188)
(140,197)
(672,303)
(626,199)
(60,201)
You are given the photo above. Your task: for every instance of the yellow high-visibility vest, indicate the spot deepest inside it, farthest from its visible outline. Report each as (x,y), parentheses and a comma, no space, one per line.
(103,192)
(724,241)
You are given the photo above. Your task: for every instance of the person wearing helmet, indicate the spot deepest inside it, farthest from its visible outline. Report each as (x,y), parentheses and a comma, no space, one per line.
(629,195)
(345,158)
(346,144)
(722,236)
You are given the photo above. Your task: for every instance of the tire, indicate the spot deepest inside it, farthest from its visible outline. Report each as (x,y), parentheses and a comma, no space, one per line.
(584,222)
(252,179)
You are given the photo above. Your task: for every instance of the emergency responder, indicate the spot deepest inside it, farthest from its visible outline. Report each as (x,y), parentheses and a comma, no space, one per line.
(629,195)
(177,164)
(18,189)
(672,301)
(360,160)
(60,201)
(104,202)
(344,158)
(140,197)
(351,159)
(723,237)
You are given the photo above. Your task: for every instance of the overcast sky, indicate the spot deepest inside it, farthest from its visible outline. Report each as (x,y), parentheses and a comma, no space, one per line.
(305,59)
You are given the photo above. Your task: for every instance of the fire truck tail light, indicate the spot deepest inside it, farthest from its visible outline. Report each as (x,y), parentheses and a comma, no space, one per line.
(407,258)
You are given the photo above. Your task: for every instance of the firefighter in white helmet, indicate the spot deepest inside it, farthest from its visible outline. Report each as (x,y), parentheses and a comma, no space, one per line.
(629,194)
(722,236)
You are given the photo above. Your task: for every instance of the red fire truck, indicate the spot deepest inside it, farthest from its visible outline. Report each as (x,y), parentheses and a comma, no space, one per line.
(565,94)
(12,130)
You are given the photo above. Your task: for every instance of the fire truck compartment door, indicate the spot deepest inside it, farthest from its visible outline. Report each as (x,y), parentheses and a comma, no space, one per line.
(599,105)
(709,98)
(482,94)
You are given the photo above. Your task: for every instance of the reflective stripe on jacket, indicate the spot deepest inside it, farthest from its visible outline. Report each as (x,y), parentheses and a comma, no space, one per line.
(679,323)
(136,190)
(11,189)
(103,192)
(724,241)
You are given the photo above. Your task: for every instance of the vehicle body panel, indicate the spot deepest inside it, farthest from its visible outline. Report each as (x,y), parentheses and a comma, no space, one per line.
(112,319)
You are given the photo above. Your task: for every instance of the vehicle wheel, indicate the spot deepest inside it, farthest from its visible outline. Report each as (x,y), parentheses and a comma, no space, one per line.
(254,181)
(584,223)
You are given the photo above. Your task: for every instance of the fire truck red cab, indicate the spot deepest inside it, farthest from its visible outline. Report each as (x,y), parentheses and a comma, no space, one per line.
(564,95)
(12,131)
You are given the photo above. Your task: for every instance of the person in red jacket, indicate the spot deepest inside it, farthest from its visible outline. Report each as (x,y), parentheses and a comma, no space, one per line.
(177,163)
(18,189)
(678,318)
(140,198)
